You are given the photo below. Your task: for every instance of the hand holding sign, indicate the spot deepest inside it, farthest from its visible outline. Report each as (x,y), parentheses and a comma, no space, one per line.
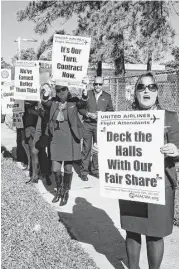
(131,165)
(170,150)
(85,83)
(70,55)
(92,115)
(80,89)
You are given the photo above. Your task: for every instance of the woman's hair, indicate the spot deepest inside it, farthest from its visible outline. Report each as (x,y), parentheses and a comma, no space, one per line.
(135,104)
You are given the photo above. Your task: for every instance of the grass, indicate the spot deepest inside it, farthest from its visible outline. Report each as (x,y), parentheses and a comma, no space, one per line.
(32,235)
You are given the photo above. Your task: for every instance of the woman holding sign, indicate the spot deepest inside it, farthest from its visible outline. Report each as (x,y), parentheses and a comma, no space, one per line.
(152,220)
(41,143)
(66,130)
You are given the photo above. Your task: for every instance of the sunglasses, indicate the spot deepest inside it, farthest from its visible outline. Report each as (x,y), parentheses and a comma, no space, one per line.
(96,84)
(61,90)
(151,87)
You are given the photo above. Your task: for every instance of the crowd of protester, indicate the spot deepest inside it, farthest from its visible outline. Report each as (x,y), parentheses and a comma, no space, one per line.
(62,130)
(54,135)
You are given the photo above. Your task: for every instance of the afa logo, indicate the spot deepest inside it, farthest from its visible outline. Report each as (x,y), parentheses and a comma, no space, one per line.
(4,74)
(131,195)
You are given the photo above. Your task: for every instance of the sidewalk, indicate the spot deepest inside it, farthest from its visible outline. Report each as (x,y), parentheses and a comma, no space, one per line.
(95,221)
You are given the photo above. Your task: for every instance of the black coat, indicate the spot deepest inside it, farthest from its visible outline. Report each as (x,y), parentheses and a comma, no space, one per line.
(76,125)
(153,219)
(104,104)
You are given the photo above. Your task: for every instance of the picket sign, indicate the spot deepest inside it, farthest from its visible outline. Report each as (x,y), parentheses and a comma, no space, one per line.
(131,166)
(70,56)
(8,103)
(17,120)
(27,86)
(45,71)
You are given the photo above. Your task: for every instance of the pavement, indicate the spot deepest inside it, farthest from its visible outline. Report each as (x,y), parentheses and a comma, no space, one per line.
(95,221)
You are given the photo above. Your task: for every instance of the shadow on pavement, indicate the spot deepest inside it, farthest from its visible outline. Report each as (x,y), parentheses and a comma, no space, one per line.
(91,225)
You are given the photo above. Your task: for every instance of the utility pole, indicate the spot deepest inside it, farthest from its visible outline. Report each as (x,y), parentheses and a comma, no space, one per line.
(18,40)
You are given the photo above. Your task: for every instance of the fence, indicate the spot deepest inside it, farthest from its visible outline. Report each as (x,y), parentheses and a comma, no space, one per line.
(122,92)
(122,89)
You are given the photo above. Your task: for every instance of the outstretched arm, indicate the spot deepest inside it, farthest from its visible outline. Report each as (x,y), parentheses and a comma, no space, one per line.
(82,103)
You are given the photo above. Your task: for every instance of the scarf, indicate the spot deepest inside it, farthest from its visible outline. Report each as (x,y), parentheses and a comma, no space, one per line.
(60,116)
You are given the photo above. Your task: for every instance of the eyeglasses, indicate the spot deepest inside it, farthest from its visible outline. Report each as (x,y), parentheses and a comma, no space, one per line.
(96,84)
(151,87)
(61,90)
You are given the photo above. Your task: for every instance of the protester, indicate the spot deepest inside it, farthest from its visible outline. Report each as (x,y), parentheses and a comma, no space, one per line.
(66,131)
(26,153)
(30,120)
(152,220)
(41,142)
(3,117)
(98,100)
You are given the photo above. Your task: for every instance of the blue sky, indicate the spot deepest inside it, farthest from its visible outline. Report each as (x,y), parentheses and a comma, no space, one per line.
(11,29)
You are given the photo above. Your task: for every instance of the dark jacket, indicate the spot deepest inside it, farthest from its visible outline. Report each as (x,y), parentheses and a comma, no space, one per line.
(104,104)
(45,126)
(171,135)
(30,115)
(73,105)
(40,138)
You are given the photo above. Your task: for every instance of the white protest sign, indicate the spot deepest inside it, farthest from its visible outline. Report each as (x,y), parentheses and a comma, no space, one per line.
(27,85)
(9,104)
(5,75)
(45,69)
(17,120)
(70,55)
(131,165)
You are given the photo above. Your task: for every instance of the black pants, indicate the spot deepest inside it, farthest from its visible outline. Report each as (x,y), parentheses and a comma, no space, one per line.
(45,160)
(90,136)
(21,154)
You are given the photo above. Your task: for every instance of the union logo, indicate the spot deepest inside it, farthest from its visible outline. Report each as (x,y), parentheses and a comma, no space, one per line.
(4,74)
